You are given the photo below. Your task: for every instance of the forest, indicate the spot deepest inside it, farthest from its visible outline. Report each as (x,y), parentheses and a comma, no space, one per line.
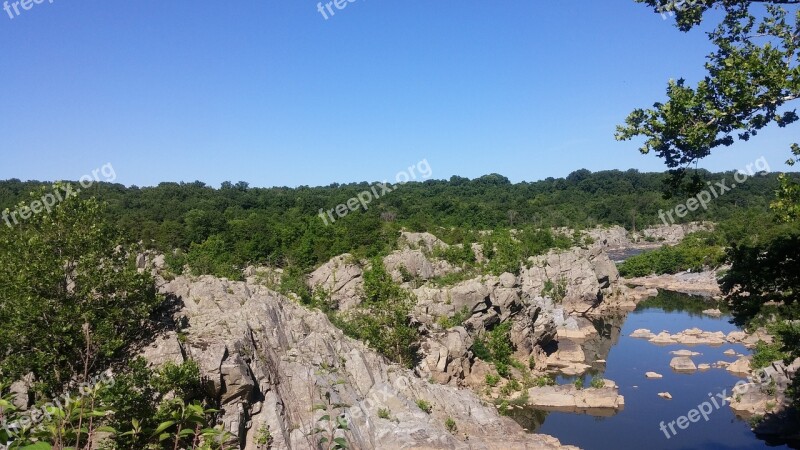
(222,230)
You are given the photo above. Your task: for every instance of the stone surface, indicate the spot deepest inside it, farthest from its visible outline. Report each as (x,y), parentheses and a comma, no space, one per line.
(643,333)
(682,364)
(416,264)
(701,284)
(585,272)
(571,399)
(741,367)
(342,279)
(653,375)
(445,356)
(267,359)
(684,353)
(665,395)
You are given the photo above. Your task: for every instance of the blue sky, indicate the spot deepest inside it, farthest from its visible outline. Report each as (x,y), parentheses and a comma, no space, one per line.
(272,93)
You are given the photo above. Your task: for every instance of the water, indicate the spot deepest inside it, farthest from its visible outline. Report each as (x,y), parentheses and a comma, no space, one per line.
(637,426)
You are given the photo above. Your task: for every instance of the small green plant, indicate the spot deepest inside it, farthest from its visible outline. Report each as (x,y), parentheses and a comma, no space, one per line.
(556,290)
(511,387)
(450,424)
(544,381)
(503,408)
(458,319)
(771,389)
(329,426)
(756,420)
(770,406)
(425,406)
(579,383)
(264,437)
(492,380)
(384,413)
(405,275)
(597,383)
(765,354)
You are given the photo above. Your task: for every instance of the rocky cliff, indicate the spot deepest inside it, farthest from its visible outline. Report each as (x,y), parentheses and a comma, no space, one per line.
(270,362)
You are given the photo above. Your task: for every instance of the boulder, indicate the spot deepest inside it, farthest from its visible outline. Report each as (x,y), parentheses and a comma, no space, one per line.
(420,241)
(445,356)
(342,279)
(568,398)
(643,333)
(682,364)
(741,367)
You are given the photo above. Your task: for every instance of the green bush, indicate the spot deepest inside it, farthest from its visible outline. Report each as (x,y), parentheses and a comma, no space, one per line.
(696,252)
(425,406)
(383,319)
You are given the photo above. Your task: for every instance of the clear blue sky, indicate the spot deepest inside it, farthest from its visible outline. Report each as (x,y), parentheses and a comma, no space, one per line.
(269,92)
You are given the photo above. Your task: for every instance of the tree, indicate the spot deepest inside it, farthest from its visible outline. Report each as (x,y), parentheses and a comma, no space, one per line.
(72,298)
(752,74)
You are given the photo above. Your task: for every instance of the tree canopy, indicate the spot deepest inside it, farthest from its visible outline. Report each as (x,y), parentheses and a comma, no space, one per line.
(752,77)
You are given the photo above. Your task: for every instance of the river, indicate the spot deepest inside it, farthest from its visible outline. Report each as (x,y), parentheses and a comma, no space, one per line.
(627,361)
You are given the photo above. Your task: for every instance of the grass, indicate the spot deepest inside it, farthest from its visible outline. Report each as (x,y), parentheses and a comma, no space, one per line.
(597,383)
(425,406)
(450,424)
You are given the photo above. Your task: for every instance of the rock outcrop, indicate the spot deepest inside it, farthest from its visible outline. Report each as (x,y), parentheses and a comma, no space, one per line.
(414,264)
(703,284)
(342,279)
(602,401)
(673,234)
(584,273)
(268,359)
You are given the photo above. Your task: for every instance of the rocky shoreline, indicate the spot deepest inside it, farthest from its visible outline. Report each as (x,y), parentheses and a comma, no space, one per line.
(266,358)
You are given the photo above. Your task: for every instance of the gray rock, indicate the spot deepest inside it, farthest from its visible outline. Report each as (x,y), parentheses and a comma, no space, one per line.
(267,359)
(342,279)
(682,364)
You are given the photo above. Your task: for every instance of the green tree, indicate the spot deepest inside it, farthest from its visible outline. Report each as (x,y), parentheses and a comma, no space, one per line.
(751,75)
(72,298)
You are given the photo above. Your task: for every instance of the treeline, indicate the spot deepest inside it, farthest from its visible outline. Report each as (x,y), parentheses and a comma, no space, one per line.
(237,225)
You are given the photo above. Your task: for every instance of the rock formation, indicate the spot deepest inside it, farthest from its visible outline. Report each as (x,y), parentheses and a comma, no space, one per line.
(268,360)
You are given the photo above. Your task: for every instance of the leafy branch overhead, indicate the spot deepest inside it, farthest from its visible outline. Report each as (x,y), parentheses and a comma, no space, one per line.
(751,78)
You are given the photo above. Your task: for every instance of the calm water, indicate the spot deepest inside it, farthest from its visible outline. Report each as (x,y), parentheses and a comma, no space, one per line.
(628,359)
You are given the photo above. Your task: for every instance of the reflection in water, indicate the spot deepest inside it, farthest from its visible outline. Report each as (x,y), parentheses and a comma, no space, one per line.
(627,361)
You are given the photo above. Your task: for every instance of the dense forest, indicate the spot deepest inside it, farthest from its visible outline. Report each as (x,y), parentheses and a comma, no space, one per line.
(237,225)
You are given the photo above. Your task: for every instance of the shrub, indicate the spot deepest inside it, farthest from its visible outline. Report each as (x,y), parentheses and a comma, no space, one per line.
(425,406)
(697,251)
(450,424)
(765,354)
(383,319)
